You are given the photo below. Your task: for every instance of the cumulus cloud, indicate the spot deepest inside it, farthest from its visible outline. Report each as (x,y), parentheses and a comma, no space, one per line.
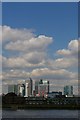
(24,40)
(68,57)
(44,73)
(72,49)
(55,74)
(11,34)
(0,61)
(12,74)
(63,63)
(31,48)
(0,77)
(32,59)
(0,33)
(39,43)
(35,57)
(64,52)
(73,45)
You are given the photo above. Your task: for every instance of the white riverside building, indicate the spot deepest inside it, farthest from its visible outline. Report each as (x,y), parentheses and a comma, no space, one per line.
(26,89)
(21,89)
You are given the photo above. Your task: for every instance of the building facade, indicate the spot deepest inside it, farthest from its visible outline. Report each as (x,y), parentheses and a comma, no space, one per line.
(13,88)
(28,87)
(21,89)
(54,94)
(4,89)
(42,87)
(68,91)
(36,87)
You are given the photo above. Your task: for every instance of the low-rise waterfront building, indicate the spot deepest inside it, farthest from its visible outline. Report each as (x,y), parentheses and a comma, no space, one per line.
(53,94)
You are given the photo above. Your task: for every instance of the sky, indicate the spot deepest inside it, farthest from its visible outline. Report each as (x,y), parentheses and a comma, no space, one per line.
(40,0)
(40,40)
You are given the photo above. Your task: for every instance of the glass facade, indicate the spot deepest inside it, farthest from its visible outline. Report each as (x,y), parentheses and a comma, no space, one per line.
(68,90)
(42,87)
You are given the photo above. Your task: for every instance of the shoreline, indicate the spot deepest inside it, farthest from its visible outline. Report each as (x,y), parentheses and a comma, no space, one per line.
(41,107)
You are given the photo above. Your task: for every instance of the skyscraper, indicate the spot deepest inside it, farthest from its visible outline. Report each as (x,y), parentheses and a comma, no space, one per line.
(68,90)
(36,87)
(5,89)
(42,87)
(21,89)
(13,88)
(28,87)
(31,86)
(10,88)
(18,89)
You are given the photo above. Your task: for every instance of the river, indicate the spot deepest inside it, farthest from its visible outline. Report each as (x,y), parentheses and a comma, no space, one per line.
(40,114)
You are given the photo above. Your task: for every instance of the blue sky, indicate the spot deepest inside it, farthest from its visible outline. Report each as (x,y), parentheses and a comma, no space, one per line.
(40,40)
(40,0)
(58,20)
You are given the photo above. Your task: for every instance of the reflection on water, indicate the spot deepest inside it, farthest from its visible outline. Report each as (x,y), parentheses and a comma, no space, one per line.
(40,114)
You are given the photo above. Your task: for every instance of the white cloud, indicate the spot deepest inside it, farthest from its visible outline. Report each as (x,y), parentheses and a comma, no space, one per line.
(32,48)
(0,77)
(62,63)
(66,62)
(35,57)
(0,33)
(11,34)
(72,49)
(24,40)
(64,52)
(18,74)
(69,57)
(32,59)
(73,45)
(45,73)
(0,61)
(58,78)
(55,74)
(39,43)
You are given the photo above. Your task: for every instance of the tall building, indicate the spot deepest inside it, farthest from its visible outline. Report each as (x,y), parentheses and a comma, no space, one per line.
(68,90)
(36,87)
(42,87)
(28,87)
(4,89)
(10,88)
(13,88)
(21,89)
(16,89)
(48,86)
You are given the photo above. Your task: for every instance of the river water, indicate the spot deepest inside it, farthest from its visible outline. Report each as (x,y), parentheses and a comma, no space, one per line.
(40,114)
